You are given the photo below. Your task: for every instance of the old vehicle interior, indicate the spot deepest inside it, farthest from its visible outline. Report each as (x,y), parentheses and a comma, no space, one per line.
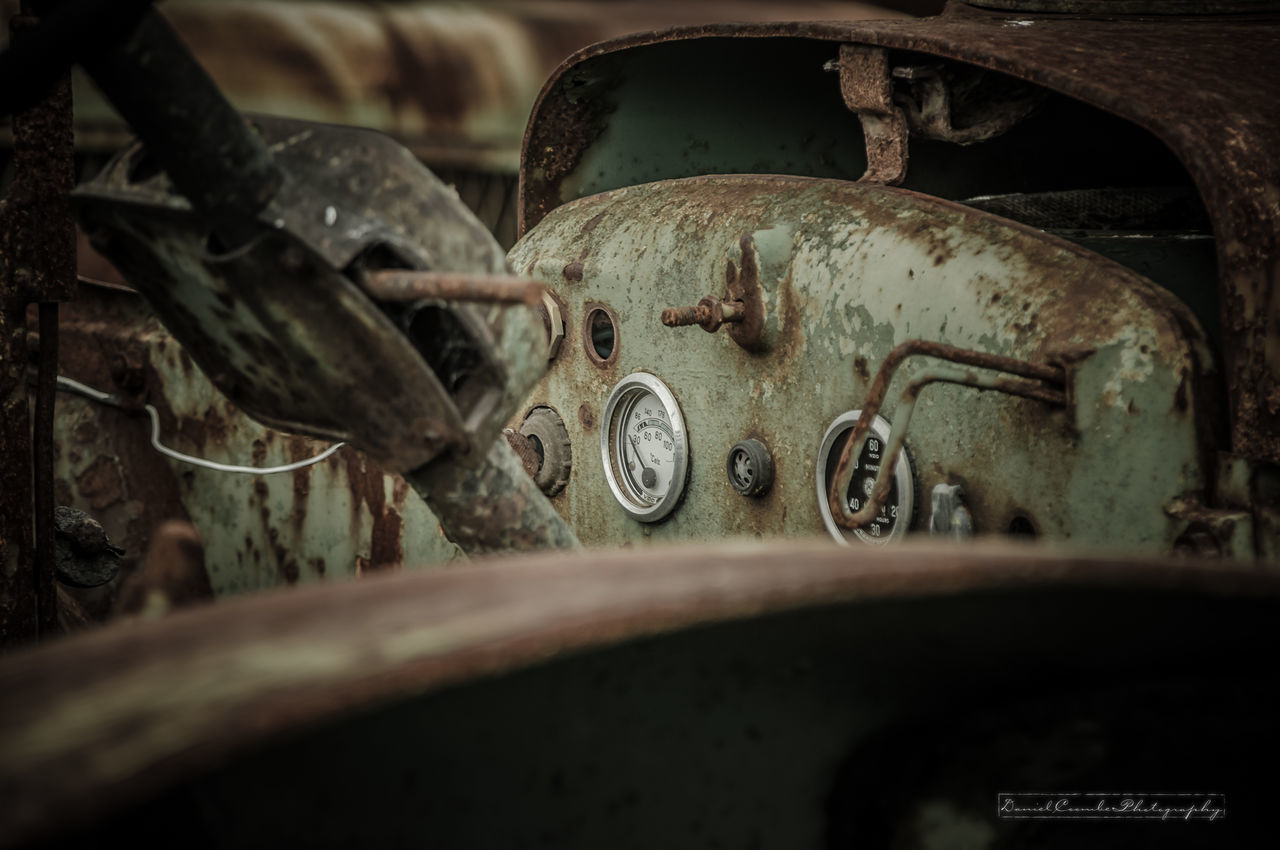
(862,430)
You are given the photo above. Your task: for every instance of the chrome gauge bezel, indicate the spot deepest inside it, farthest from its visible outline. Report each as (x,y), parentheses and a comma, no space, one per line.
(904,477)
(620,404)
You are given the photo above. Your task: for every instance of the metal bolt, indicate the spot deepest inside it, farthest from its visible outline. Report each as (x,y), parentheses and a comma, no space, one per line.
(710,313)
(556,324)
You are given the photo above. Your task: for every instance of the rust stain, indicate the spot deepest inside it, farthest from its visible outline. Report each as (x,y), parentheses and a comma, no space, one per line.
(300,450)
(553,149)
(385,546)
(101,483)
(524,449)
(586,417)
(573,271)
(367,484)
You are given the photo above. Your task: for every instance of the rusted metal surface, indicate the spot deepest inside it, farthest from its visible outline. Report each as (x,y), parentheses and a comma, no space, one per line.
(392,285)
(1167,77)
(37,264)
(343,370)
(329,521)
(870,406)
(710,313)
(545,429)
(898,435)
(102,721)
(491,504)
(523,447)
(848,272)
(938,108)
(37,240)
(42,454)
(742,308)
(867,89)
(85,556)
(18,611)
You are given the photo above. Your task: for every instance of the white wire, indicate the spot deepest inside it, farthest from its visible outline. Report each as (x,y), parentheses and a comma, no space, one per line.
(87,391)
(225,467)
(106,398)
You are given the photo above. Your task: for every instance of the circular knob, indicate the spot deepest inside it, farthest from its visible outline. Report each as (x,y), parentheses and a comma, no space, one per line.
(545,429)
(750,467)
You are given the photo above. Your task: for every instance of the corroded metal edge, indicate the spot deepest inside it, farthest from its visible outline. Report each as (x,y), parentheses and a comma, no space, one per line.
(1167,78)
(107,718)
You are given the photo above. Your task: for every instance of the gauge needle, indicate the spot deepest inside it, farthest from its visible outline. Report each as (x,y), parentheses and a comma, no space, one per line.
(647,476)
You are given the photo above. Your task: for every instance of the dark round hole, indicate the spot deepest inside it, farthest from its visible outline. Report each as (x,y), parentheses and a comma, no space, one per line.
(603,336)
(1020,526)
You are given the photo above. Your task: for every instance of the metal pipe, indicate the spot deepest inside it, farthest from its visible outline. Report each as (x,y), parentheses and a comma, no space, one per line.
(401,285)
(880,386)
(902,419)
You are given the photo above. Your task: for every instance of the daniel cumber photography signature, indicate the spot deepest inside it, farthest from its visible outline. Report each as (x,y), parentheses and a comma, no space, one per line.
(1111,806)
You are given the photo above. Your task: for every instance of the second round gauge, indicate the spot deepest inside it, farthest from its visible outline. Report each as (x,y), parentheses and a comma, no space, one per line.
(644,448)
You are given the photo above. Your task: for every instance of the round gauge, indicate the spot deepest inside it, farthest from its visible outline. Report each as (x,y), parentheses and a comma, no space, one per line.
(898,511)
(643,446)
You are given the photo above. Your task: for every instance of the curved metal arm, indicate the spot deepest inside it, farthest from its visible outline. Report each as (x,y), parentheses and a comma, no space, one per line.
(1034,388)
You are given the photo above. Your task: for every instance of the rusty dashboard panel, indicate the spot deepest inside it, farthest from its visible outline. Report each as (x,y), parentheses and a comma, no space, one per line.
(844,273)
(1163,76)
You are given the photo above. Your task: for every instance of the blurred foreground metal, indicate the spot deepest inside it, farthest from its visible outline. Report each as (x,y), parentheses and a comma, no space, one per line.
(673,697)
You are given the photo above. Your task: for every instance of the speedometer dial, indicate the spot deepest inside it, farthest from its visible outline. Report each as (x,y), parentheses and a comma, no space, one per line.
(644,447)
(897,513)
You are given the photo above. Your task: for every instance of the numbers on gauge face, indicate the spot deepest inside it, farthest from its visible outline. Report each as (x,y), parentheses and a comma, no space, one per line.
(648,448)
(864,482)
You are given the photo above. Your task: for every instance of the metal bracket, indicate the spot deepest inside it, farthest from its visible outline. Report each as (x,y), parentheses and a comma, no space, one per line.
(867,88)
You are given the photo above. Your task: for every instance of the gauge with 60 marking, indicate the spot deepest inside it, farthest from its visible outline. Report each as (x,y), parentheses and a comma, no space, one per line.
(897,513)
(644,447)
